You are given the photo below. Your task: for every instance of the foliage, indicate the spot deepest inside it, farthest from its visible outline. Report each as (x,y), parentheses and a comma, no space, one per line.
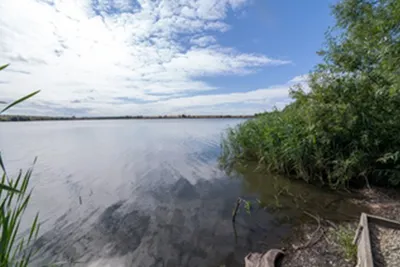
(13,203)
(248,206)
(18,100)
(344,236)
(344,131)
(14,199)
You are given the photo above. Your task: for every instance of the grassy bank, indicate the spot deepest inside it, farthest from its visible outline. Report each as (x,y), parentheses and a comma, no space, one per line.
(344,130)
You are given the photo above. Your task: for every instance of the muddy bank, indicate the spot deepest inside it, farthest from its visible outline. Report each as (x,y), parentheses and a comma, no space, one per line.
(322,242)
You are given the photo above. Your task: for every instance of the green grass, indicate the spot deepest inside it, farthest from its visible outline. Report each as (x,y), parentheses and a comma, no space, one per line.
(345,236)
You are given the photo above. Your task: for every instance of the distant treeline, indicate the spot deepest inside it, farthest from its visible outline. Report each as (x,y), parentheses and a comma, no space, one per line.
(183,116)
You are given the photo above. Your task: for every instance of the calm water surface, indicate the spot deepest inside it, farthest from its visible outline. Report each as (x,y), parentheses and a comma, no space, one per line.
(146,193)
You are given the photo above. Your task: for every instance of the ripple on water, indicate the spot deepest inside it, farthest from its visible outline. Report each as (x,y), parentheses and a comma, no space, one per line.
(151,193)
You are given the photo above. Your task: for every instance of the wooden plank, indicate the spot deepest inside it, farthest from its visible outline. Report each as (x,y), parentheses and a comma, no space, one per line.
(383,221)
(358,232)
(357,241)
(363,240)
(369,262)
(364,251)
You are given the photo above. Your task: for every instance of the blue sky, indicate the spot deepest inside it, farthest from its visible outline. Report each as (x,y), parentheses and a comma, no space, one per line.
(124,57)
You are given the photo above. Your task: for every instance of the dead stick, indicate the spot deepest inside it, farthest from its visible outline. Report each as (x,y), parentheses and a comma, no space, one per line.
(312,216)
(236,209)
(332,224)
(309,242)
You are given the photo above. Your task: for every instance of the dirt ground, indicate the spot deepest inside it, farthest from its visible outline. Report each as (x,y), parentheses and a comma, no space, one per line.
(319,244)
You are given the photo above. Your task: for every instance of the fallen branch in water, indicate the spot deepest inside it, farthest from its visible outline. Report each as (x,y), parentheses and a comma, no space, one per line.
(235,210)
(239,200)
(318,219)
(311,241)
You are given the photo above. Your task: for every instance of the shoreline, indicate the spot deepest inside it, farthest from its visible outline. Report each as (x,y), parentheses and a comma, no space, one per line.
(327,248)
(11,118)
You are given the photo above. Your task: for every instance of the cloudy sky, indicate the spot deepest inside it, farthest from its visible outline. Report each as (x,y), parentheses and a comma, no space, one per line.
(150,57)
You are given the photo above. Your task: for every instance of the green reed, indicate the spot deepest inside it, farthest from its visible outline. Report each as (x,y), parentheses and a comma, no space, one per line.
(342,129)
(15,250)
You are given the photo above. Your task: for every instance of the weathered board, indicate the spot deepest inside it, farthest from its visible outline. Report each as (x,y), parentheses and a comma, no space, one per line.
(363,239)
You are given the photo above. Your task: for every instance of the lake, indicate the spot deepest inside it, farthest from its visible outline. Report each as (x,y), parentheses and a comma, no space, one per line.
(147,193)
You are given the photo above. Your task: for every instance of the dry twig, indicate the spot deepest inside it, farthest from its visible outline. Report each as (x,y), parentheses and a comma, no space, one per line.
(309,242)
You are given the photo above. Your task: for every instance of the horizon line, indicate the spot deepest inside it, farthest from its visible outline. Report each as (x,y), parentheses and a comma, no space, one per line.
(182,116)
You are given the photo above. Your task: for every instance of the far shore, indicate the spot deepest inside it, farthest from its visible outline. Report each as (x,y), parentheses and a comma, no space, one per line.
(5,118)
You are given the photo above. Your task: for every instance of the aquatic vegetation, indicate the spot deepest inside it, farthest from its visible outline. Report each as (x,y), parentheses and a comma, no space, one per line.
(343,131)
(14,198)
(13,201)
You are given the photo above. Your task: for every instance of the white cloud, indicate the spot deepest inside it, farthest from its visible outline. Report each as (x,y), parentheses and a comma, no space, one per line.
(203,41)
(237,103)
(85,57)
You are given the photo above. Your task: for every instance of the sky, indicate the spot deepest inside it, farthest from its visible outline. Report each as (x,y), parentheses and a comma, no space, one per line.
(156,57)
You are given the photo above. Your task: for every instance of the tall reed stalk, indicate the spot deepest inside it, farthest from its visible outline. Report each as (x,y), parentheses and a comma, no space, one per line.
(15,250)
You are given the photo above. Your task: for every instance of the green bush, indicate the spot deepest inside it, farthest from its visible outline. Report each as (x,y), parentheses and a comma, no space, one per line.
(345,131)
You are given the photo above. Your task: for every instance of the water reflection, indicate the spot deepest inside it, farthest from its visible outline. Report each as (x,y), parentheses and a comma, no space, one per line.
(149,193)
(182,224)
(185,225)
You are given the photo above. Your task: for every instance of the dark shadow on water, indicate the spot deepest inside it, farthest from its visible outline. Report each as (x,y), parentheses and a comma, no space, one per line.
(185,224)
(287,199)
(176,225)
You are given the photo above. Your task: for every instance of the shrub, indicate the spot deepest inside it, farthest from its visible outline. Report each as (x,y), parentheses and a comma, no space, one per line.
(345,130)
